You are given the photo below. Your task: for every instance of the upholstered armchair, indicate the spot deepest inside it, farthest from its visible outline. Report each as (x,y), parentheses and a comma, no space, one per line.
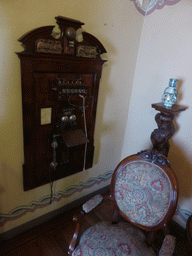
(145,195)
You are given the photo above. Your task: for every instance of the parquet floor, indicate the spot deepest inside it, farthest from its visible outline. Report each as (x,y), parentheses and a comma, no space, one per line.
(52,238)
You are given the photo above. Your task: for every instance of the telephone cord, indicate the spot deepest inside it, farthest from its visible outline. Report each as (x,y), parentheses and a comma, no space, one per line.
(51,186)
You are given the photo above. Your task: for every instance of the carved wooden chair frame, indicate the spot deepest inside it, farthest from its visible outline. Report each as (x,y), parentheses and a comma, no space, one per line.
(161,224)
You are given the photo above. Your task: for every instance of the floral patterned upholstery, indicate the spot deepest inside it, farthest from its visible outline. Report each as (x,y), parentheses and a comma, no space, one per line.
(142,192)
(105,239)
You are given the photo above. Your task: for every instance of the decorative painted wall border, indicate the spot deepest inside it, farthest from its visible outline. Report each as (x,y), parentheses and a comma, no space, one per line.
(21,210)
(152,5)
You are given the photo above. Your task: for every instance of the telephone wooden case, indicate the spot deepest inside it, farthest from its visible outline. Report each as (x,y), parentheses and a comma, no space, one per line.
(60,70)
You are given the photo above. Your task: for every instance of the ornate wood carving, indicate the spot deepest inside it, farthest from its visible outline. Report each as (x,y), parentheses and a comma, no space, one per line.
(48,46)
(154,156)
(87,51)
(160,136)
(165,131)
(53,77)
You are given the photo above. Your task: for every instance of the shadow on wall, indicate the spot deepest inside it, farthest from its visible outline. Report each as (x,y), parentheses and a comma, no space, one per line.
(104,90)
(179,159)
(182,166)
(179,89)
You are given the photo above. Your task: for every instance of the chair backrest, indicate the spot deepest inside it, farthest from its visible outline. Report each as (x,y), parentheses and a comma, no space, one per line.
(144,193)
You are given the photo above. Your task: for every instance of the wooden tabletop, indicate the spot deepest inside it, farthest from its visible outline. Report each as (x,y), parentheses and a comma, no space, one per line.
(168,110)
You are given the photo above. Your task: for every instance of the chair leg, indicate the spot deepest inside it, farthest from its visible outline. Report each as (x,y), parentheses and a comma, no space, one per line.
(115,217)
(79,220)
(166,229)
(151,238)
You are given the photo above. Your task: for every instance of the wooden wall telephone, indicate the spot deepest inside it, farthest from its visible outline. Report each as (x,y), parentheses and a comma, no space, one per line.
(60,80)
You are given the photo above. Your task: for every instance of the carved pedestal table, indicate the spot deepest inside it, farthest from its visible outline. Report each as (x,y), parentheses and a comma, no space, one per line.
(160,136)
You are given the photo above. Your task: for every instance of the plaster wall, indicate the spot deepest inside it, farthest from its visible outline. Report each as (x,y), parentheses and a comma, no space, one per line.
(165,52)
(117,24)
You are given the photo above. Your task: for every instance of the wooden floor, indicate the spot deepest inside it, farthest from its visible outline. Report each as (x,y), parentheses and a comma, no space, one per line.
(52,238)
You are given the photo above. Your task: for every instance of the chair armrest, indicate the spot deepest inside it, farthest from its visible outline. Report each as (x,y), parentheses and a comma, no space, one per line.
(87,207)
(92,203)
(168,246)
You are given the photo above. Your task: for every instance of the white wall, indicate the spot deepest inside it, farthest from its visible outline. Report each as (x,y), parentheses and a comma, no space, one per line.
(165,52)
(117,24)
